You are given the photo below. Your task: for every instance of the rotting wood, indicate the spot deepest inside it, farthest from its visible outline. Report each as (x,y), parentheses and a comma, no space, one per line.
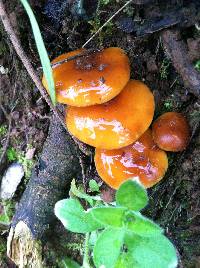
(163,18)
(177,52)
(25,251)
(183,17)
(49,182)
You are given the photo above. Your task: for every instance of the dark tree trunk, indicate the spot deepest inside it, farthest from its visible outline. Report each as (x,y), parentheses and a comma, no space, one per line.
(50,179)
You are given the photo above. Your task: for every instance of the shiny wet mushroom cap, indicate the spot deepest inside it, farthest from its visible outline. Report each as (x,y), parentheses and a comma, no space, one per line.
(171,132)
(142,161)
(91,79)
(117,123)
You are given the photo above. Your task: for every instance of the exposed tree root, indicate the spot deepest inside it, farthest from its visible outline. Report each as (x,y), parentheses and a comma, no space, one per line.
(177,51)
(34,217)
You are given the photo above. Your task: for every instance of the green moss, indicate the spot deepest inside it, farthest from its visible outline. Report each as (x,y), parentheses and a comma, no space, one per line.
(104,2)
(164,69)
(2,252)
(97,22)
(106,31)
(195,114)
(3,48)
(7,211)
(76,247)
(3,130)
(11,154)
(20,156)
(168,104)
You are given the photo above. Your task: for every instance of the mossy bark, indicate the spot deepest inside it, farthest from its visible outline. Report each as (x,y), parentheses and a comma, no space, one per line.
(50,179)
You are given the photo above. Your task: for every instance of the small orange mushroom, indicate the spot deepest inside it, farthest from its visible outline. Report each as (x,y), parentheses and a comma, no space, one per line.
(117,123)
(171,132)
(91,79)
(142,161)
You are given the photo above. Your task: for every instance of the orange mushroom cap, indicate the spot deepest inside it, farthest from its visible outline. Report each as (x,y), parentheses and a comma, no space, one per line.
(171,132)
(92,79)
(117,123)
(142,161)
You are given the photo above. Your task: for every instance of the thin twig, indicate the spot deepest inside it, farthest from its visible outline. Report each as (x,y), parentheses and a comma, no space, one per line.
(22,55)
(83,54)
(83,172)
(100,29)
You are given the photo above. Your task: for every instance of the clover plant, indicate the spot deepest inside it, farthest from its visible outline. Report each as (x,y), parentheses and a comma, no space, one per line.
(117,234)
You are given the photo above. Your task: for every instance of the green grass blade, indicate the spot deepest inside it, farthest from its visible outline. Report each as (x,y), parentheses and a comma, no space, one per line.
(46,65)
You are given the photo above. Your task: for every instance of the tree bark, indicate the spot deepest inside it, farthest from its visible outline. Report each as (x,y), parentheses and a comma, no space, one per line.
(50,179)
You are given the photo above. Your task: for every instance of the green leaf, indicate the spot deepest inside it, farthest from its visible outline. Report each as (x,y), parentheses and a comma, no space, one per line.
(68,263)
(141,225)
(46,65)
(94,187)
(132,195)
(112,216)
(108,247)
(74,218)
(4,219)
(151,252)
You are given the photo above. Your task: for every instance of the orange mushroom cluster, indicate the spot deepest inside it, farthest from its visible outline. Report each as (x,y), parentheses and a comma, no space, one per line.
(109,111)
